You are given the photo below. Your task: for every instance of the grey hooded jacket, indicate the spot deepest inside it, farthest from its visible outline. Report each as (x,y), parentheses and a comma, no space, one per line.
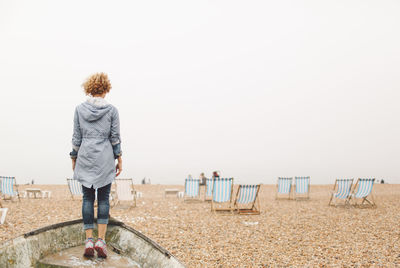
(96,132)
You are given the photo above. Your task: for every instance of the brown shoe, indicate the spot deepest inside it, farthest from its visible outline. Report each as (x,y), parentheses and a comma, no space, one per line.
(101,248)
(89,249)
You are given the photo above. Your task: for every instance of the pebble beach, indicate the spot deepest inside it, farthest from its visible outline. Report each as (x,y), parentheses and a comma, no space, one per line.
(287,233)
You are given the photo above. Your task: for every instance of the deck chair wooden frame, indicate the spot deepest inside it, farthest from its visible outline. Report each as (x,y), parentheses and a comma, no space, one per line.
(122,193)
(299,188)
(3,215)
(282,185)
(362,191)
(219,188)
(9,188)
(341,190)
(75,188)
(247,194)
(208,190)
(192,190)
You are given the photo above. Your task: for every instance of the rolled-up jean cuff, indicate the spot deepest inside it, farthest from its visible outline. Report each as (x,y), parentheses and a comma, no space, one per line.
(88,226)
(102,221)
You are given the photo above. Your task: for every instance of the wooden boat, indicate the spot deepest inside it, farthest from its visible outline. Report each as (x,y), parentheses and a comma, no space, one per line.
(61,245)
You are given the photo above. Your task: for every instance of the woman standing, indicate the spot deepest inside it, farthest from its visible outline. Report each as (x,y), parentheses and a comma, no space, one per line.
(96,143)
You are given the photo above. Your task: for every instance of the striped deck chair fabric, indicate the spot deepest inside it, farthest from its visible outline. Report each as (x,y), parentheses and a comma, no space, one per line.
(343,187)
(363,190)
(222,193)
(125,191)
(7,187)
(208,190)
(284,186)
(75,187)
(302,187)
(192,189)
(247,194)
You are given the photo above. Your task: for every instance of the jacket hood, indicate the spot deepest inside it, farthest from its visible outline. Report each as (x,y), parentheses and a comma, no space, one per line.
(91,112)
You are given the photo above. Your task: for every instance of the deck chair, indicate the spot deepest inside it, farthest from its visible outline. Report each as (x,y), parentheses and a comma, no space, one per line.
(75,187)
(9,188)
(363,190)
(343,190)
(222,195)
(3,215)
(247,194)
(125,192)
(284,187)
(301,188)
(192,190)
(208,190)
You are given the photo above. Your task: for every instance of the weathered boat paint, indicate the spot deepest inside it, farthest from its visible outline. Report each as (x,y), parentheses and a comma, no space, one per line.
(27,250)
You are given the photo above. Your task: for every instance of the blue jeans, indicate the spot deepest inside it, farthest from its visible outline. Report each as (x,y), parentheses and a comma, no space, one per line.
(103,208)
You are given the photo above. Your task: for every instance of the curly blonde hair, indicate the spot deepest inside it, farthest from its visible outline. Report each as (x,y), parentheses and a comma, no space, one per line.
(97,84)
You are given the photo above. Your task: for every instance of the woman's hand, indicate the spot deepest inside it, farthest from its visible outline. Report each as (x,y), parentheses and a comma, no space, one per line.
(73,164)
(118,167)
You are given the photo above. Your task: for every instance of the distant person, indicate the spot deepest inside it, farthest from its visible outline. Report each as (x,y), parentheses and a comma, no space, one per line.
(215,174)
(202,179)
(144,181)
(33,182)
(95,146)
(382,181)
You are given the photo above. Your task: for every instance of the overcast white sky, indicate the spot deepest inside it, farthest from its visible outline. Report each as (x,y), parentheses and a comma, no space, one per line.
(255,89)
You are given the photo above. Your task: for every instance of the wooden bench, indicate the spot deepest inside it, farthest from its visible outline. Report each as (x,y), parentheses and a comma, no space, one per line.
(33,191)
(46,194)
(171,191)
